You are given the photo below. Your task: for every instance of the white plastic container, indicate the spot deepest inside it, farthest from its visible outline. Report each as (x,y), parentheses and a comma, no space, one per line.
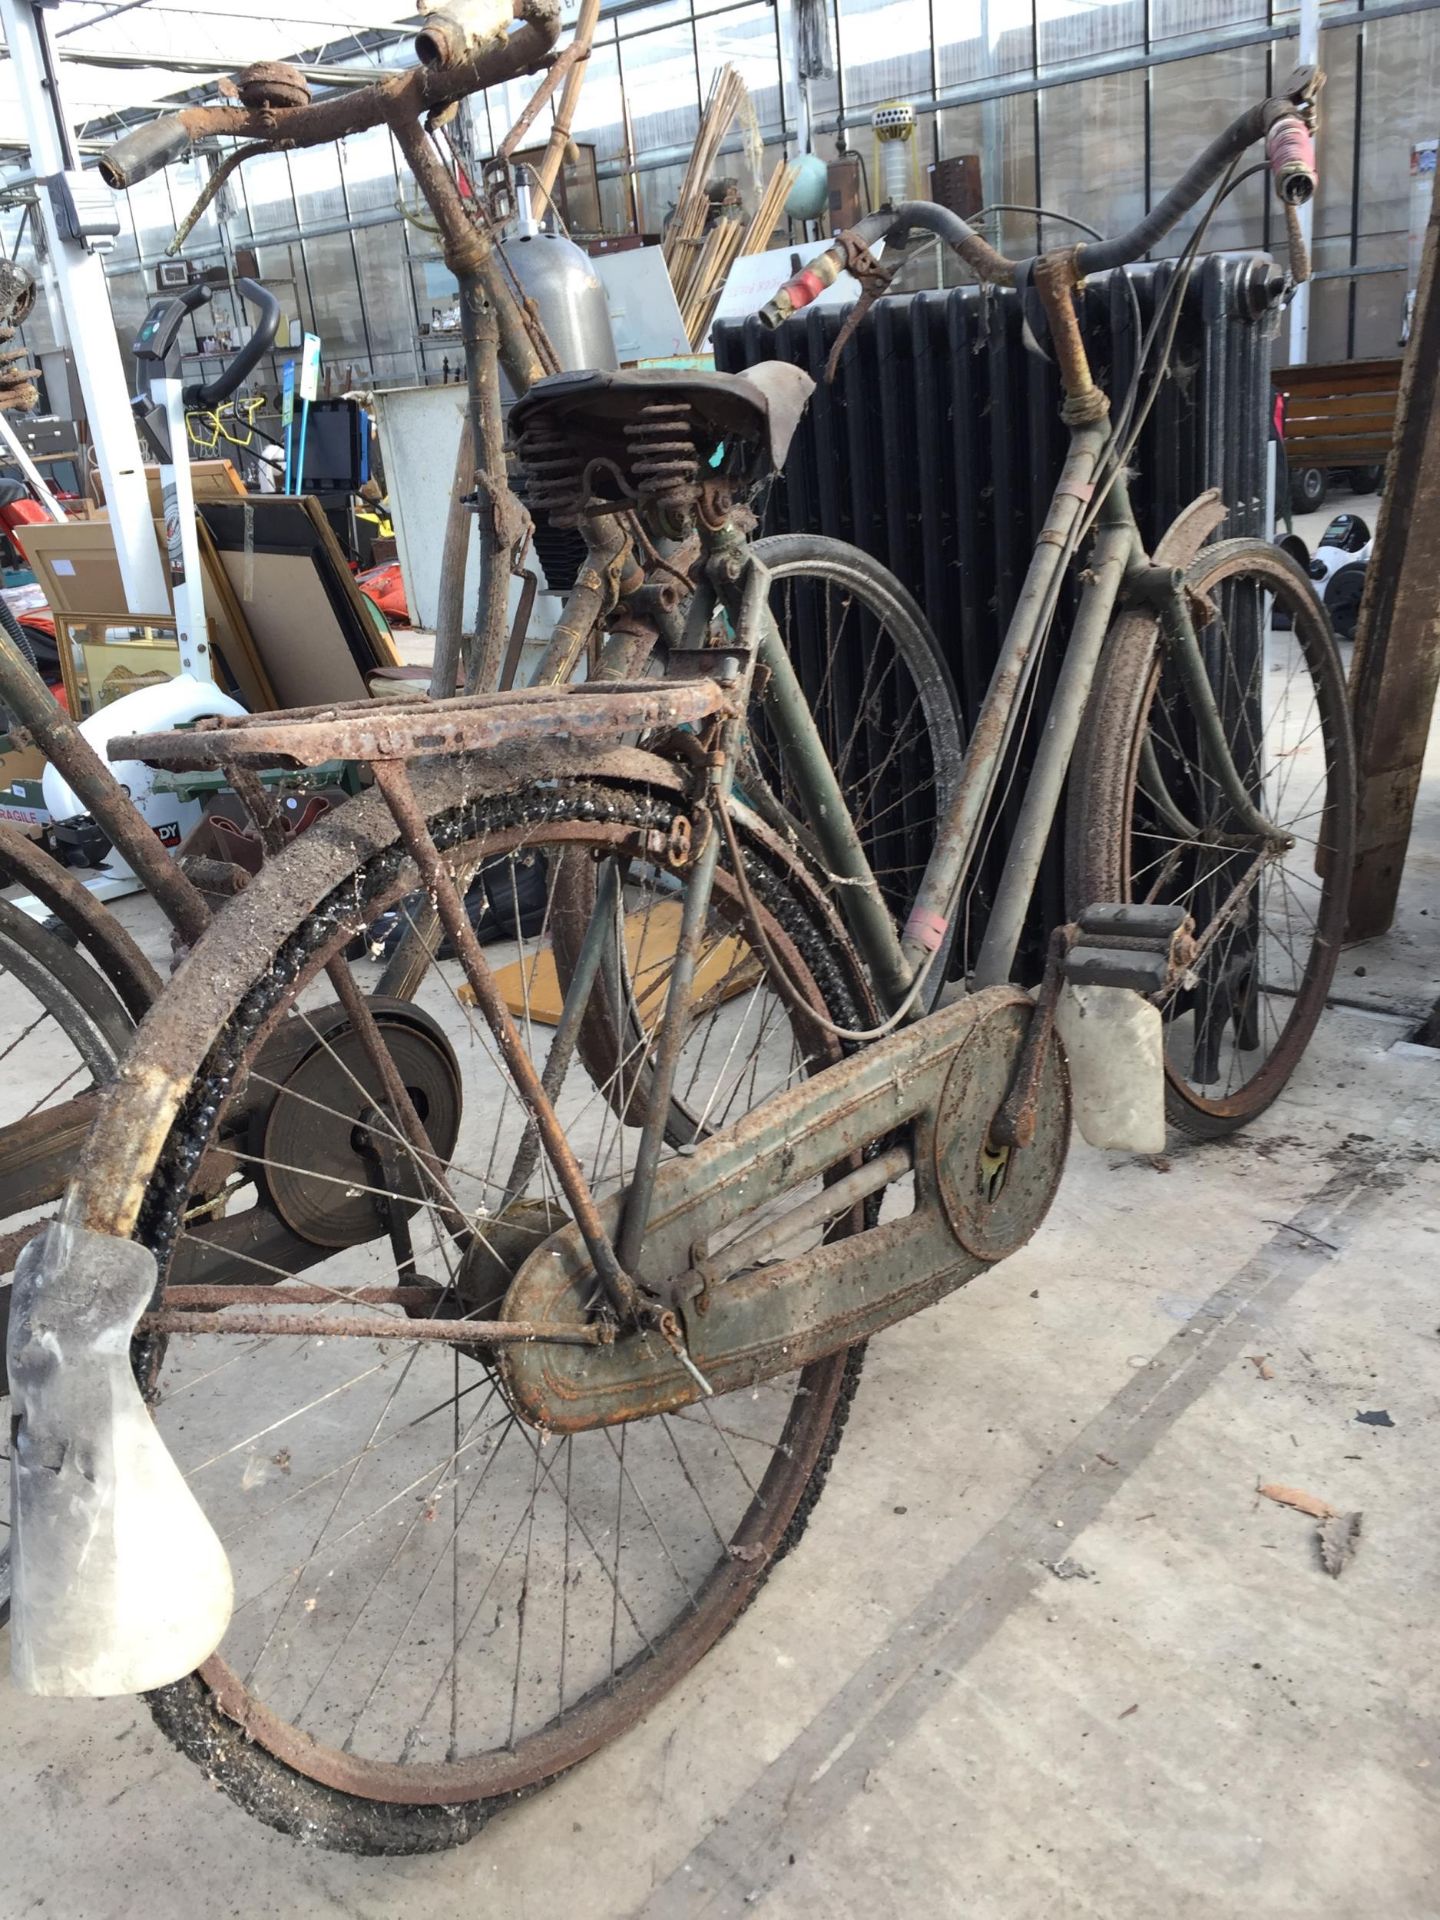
(1115,1044)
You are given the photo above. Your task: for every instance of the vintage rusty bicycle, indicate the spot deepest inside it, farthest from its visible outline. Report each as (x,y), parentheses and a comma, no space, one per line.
(78,987)
(609,1232)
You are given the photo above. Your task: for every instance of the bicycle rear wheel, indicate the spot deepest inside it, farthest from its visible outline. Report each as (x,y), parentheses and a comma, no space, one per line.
(438,1609)
(62,1033)
(1149,821)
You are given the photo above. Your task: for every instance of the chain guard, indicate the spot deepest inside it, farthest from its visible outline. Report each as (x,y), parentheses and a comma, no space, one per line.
(940,1082)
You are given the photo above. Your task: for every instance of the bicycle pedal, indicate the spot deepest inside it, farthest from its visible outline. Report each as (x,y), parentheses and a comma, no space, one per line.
(1143,948)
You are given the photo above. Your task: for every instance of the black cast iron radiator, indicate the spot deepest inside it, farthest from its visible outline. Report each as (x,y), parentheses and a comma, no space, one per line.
(939,442)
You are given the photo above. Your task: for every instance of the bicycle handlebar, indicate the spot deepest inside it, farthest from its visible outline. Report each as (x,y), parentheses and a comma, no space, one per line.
(1290,152)
(457,55)
(211,392)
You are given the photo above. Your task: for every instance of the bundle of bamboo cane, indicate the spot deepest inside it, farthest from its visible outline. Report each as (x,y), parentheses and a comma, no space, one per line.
(726,241)
(686,239)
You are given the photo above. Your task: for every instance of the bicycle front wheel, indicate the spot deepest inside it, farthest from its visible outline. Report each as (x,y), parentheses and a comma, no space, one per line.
(437,1606)
(883,701)
(1149,820)
(887,714)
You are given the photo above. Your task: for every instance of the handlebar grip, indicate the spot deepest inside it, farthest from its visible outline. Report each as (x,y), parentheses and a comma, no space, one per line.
(1290,151)
(256,347)
(135,156)
(807,285)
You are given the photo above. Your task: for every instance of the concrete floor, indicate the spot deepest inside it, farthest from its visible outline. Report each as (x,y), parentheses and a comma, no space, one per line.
(918,1716)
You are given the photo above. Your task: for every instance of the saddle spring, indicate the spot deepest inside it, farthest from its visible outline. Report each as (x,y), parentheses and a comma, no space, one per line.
(658,468)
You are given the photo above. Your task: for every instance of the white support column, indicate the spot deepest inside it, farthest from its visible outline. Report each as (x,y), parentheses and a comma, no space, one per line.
(1308,56)
(85,301)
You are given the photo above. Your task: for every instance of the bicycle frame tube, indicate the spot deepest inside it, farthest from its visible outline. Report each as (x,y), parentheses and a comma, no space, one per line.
(1116,547)
(945,874)
(828,812)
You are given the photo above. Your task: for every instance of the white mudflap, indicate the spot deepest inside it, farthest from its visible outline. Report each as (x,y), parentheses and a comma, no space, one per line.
(119,1581)
(1115,1045)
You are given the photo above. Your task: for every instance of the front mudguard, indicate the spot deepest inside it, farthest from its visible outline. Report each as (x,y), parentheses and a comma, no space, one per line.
(119,1582)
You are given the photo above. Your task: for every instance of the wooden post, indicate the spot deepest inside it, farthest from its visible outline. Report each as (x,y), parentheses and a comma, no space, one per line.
(1396,668)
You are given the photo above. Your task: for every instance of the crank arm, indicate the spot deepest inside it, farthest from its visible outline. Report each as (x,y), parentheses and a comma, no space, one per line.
(941,1082)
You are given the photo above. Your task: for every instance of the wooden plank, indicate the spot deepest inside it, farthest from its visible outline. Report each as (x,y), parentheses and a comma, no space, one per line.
(1342,406)
(1396,669)
(1344,376)
(1326,451)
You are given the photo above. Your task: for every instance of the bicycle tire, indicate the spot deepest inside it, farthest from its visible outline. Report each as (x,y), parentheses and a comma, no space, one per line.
(907,683)
(359,868)
(1118,849)
(72,994)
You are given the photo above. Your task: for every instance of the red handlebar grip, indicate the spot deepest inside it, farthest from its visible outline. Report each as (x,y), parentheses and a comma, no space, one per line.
(807,285)
(1290,150)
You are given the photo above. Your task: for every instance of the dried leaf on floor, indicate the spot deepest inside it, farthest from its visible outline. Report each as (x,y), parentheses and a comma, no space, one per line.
(1297,1497)
(1338,1538)
(1068,1569)
(1261,1365)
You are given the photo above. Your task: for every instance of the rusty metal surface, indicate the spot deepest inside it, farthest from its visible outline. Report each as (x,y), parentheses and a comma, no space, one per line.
(394,783)
(140,1107)
(769,1320)
(551,717)
(407,94)
(1056,280)
(135,981)
(1014,1124)
(1395,674)
(272,83)
(319,1326)
(994,1201)
(207,1299)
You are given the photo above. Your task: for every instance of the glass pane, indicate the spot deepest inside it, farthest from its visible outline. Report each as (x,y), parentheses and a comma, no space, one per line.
(1398,108)
(1193,100)
(153,216)
(885,50)
(1329,334)
(1092,154)
(1335,139)
(368,164)
(385,287)
(662,89)
(335,298)
(978,42)
(1379,297)
(746,41)
(268,201)
(315,176)
(1002,133)
(130,299)
(1067,32)
(187,180)
(1176,19)
(600,116)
